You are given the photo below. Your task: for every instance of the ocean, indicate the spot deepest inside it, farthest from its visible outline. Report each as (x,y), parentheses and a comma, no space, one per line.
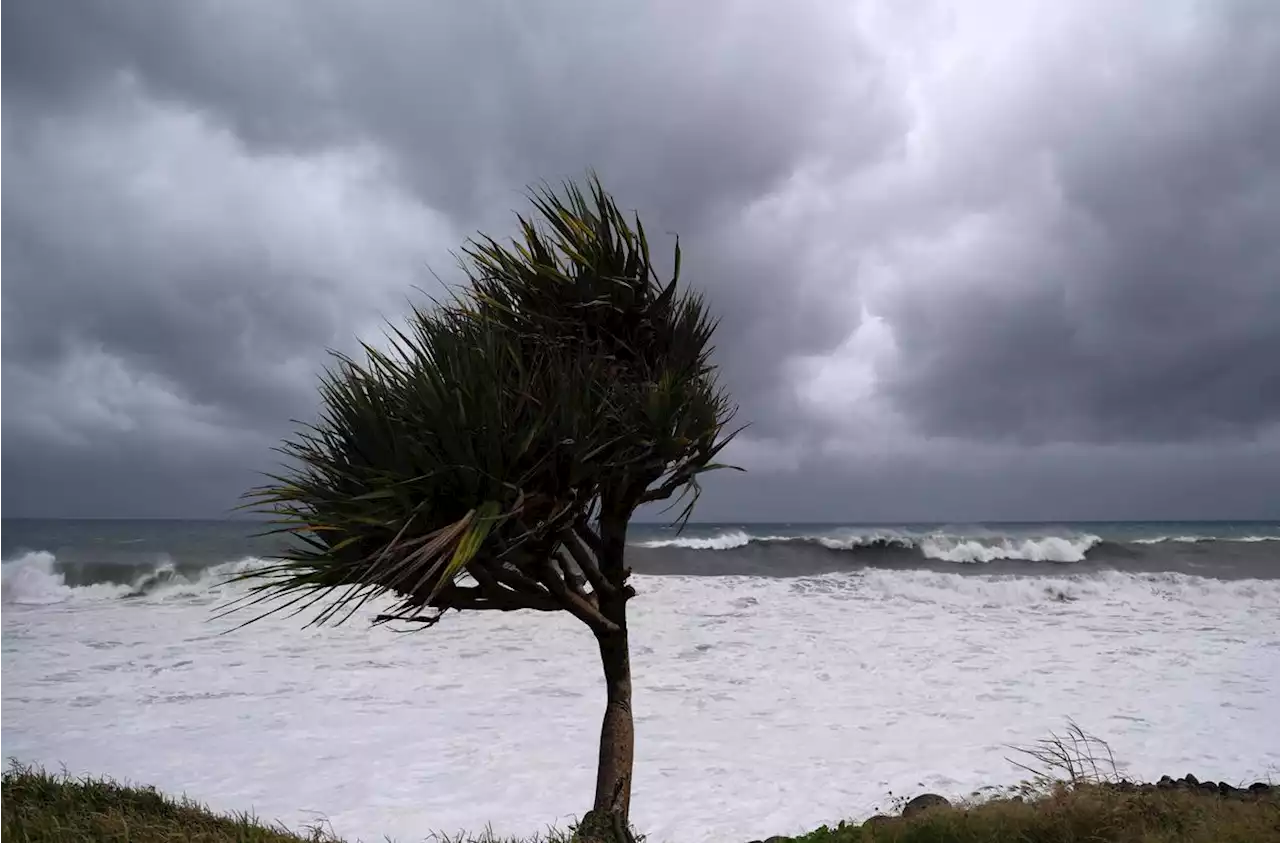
(786,675)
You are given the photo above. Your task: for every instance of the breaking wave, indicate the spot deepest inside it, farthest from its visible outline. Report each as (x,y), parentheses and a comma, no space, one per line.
(724,541)
(34,579)
(1232,555)
(1199,539)
(939,546)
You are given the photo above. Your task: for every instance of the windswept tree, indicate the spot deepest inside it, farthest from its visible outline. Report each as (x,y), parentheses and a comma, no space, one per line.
(492,458)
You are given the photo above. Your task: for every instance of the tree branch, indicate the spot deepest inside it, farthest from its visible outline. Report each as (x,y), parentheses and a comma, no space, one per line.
(583,559)
(578,606)
(473,598)
(493,594)
(583,530)
(575,581)
(514,579)
(613,532)
(675,481)
(425,620)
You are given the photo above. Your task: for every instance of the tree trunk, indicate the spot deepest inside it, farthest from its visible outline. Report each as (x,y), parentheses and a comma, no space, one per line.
(617,733)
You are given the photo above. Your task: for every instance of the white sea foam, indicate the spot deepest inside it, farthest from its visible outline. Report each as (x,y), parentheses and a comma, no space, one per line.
(763,705)
(852,542)
(1199,539)
(722,541)
(1044,549)
(32,580)
(940,546)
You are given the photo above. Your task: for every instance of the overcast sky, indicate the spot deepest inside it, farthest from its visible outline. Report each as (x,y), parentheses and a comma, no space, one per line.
(974,260)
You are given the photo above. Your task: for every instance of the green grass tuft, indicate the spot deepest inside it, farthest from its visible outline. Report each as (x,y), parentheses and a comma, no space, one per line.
(39,807)
(1085,814)
(42,808)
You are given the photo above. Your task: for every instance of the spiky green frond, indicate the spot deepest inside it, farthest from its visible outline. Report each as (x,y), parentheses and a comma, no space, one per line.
(564,380)
(581,280)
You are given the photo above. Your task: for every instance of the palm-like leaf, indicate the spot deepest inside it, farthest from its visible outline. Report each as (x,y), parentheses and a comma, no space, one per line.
(563,381)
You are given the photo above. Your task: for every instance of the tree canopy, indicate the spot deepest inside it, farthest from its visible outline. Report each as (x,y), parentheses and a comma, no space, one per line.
(562,381)
(491,457)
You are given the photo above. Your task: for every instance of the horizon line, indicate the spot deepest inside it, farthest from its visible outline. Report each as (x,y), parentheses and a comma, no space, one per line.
(716,523)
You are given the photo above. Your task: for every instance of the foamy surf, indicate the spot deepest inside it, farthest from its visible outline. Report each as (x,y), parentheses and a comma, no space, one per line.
(1046,549)
(765,656)
(33,579)
(1155,592)
(30,580)
(723,541)
(749,692)
(938,546)
(1199,539)
(768,549)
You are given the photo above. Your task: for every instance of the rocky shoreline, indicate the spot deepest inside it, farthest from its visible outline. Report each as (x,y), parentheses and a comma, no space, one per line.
(1188,783)
(1257,790)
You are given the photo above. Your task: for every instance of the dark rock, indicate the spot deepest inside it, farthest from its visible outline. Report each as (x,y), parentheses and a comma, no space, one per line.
(1147,788)
(776,839)
(877,821)
(1259,788)
(1228,791)
(924,802)
(1191,780)
(1166,783)
(1208,787)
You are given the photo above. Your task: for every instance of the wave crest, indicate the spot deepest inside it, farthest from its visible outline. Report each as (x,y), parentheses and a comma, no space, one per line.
(1202,539)
(1045,549)
(723,541)
(33,579)
(937,546)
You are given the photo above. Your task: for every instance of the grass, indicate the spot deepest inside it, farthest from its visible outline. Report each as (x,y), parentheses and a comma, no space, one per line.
(39,807)
(1081,814)
(42,808)
(1075,794)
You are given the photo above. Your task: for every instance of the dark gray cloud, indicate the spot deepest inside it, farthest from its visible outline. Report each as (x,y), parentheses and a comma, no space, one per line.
(946,243)
(962,483)
(1130,289)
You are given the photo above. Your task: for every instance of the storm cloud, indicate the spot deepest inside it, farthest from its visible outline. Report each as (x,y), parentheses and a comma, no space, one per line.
(973,261)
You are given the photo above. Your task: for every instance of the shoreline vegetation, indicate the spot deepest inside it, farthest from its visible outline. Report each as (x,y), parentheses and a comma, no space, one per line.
(40,807)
